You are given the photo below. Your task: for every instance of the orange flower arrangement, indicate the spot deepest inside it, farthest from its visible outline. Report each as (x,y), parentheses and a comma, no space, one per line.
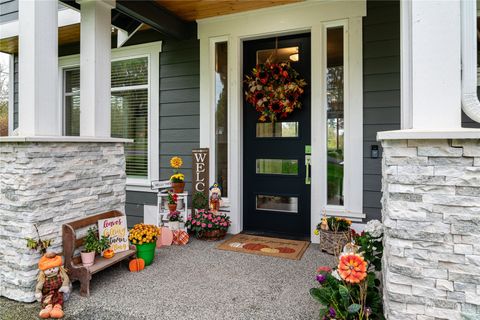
(352,268)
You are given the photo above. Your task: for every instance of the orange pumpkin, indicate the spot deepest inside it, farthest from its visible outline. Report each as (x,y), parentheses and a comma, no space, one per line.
(109,253)
(136,265)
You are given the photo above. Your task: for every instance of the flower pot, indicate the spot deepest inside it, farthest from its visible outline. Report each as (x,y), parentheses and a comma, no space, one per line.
(88,258)
(146,251)
(172,207)
(178,187)
(174,225)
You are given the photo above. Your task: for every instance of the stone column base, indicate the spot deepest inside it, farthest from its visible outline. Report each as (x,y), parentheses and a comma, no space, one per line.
(48,184)
(431,211)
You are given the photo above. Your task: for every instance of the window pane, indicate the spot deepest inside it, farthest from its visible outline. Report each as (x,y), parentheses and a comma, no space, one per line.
(129,110)
(335,116)
(277,130)
(131,72)
(277,166)
(281,54)
(221,116)
(130,120)
(72,115)
(277,203)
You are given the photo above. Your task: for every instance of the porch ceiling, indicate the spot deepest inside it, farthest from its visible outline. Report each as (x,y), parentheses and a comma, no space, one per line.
(190,10)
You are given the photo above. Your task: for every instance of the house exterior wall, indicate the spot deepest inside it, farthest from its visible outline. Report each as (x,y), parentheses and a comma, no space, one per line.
(8,10)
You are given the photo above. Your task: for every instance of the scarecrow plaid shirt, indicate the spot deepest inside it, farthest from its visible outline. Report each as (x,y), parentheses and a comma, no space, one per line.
(50,294)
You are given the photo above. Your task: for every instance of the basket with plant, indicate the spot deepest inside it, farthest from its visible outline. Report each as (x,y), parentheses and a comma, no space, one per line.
(208,226)
(144,237)
(177,179)
(334,234)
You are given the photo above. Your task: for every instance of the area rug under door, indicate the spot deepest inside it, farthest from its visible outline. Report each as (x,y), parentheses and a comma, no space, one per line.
(265,246)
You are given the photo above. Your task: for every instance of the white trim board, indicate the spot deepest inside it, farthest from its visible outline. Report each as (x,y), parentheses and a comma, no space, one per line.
(313,17)
(152,50)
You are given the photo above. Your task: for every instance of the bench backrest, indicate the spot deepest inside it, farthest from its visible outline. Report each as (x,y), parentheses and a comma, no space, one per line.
(69,237)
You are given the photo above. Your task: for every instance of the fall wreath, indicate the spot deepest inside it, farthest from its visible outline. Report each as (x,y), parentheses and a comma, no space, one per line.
(274,89)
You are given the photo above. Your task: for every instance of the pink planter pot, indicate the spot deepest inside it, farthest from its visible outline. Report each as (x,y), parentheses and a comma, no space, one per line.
(88,258)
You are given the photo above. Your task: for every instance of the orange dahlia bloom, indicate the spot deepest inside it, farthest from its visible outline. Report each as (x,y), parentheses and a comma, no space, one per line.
(352,268)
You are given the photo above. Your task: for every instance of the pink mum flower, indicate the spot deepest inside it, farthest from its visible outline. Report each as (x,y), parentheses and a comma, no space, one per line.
(209,225)
(204,225)
(198,223)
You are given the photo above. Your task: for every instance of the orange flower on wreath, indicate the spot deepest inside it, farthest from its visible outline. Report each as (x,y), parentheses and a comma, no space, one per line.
(352,268)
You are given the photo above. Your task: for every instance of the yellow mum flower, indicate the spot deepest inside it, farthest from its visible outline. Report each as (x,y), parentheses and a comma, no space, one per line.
(176,162)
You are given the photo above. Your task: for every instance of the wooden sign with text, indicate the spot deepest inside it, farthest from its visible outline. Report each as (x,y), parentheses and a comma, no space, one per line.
(200,168)
(115,229)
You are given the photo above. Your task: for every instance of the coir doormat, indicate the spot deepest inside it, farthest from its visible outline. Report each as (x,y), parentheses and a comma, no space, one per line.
(265,246)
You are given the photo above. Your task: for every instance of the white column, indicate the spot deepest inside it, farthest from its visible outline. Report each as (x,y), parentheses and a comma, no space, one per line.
(39,111)
(431,67)
(95,47)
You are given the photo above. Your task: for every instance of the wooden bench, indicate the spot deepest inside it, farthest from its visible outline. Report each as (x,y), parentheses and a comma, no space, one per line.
(73,263)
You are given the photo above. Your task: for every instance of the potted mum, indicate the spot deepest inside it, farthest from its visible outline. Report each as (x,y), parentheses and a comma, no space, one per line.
(177,179)
(206,225)
(334,234)
(172,201)
(144,237)
(174,218)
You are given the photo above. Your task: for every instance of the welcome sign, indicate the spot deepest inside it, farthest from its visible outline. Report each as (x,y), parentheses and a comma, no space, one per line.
(200,177)
(115,229)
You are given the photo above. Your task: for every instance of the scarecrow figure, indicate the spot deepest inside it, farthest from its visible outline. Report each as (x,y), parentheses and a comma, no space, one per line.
(215,197)
(52,283)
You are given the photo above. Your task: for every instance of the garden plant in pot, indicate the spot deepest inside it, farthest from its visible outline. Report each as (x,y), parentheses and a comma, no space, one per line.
(144,237)
(206,225)
(172,201)
(91,246)
(177,179)
(174,219)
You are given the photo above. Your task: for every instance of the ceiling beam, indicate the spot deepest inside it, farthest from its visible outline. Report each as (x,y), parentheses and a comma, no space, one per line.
(158,18)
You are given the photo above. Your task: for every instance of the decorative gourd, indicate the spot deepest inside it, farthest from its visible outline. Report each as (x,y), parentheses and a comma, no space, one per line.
(109,253)
(136,265)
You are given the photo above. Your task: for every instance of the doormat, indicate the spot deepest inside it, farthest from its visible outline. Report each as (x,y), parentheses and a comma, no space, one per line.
(265,246)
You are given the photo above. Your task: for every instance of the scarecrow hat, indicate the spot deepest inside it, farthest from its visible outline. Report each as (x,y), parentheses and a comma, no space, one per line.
(49,260)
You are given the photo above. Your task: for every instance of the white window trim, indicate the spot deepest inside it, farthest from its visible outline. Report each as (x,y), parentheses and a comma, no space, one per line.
(212,81)
(353,136)
(271,22)
(152,51)
(11,86)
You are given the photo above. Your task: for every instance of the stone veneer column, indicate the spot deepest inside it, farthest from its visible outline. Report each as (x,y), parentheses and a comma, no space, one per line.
(431,211)
(48,184)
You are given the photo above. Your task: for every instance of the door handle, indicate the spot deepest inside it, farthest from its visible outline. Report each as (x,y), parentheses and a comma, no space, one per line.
(308,162)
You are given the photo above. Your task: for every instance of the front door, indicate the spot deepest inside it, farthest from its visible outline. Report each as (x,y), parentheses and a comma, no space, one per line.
(276,189)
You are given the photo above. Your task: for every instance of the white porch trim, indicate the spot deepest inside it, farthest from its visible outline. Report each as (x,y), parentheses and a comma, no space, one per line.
(11,86)
(95,47)
(278,21)
(430,65)
(39,112)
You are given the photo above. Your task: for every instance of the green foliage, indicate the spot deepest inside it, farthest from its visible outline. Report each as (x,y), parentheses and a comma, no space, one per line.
(91,243)
(40,244)
(103,244)
(372,250)
(200,201)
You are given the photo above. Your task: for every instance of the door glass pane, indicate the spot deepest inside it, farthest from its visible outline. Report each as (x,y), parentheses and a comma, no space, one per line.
(221,116)
(277,130)
(277,203)
(281,54)
(335,116)
(277,166)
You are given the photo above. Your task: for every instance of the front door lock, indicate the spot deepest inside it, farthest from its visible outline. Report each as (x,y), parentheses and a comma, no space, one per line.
(308,161)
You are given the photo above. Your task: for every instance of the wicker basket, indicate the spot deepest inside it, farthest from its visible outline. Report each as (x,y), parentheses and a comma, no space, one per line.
(214,235)
(333,242)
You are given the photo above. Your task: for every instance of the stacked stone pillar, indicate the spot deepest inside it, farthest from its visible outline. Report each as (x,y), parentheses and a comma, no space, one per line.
(431,211)
(49,184)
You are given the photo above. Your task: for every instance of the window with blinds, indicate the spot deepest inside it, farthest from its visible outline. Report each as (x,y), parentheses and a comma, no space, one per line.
(129,103)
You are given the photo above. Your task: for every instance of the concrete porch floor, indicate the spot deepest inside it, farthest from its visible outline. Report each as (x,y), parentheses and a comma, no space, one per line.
(196,281)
